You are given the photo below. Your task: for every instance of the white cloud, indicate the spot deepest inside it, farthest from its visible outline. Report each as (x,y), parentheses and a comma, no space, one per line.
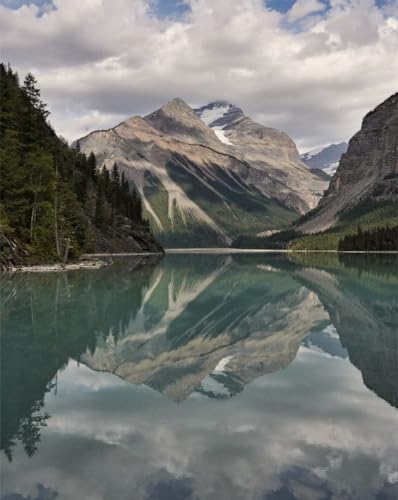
(100,61)
(302,8)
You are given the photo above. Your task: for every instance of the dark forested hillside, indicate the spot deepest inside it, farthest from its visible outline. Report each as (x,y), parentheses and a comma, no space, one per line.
(55,203)
(379,239)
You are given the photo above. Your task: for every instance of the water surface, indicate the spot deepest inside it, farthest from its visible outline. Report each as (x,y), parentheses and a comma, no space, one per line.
(202,377)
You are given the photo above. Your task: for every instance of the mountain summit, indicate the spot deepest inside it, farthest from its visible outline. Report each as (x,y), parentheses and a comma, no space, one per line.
(219,114)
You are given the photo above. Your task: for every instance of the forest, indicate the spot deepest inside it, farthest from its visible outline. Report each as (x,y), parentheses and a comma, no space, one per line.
(54,200)
(377,239)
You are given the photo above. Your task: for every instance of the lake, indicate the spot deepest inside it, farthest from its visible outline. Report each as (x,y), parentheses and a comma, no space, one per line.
(229,377)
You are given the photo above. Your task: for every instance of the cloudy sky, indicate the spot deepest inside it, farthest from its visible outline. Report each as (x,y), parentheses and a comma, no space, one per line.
(310,67)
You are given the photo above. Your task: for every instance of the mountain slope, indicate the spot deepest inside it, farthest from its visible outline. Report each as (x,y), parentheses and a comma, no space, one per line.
(197,190)
(365,186)
(326,159)
(277,168)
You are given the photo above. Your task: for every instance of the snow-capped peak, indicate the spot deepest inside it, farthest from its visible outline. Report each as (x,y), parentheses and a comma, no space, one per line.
(210,115)
(219,114)
(325,158)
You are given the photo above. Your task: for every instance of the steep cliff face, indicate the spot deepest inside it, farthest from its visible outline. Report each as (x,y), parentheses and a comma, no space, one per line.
(201,185)
(367,175)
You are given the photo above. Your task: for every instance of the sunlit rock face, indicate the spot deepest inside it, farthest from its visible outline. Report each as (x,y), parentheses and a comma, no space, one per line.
(367,175)
(203,182)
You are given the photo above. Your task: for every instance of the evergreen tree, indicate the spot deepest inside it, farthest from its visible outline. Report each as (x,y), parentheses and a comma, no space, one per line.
(91,163)
(115,174)
(32,92)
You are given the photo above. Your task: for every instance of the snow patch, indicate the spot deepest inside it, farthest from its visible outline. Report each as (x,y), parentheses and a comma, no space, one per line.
(331,169)
(222,364)
(313,152)
(210,385)
(212,114)
(331,331)
(221,135)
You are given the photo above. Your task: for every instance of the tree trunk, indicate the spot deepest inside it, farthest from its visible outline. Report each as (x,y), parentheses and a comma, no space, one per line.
(34,211)
(56,213)
(66,250)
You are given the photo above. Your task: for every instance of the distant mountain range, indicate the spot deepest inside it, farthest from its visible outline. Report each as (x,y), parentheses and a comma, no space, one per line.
(208,174)
(325,158)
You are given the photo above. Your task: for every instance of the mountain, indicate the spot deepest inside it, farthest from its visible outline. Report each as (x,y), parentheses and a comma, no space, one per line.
(201,185)
(325,158)
(365,187)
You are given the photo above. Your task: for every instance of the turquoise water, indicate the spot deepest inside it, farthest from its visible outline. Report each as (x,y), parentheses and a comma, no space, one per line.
(202,377)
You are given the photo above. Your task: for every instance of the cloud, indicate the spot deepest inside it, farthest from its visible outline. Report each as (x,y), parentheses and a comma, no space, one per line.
(302,8)
(99,61)
(107,439)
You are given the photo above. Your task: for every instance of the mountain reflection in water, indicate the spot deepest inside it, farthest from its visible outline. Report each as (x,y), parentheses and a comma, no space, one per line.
(196,329)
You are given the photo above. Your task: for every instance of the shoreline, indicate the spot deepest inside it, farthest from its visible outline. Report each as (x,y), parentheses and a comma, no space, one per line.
(226,250)
(99,260)
(86,261)
(48,268)
(88,256)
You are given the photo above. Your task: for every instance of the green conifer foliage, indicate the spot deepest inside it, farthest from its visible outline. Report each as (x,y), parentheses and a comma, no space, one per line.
(52,196)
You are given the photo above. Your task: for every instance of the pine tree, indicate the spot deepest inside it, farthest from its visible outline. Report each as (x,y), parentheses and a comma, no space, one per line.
(91,164)
(33,94)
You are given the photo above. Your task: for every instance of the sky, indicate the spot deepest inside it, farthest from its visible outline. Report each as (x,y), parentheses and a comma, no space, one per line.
(312,68)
